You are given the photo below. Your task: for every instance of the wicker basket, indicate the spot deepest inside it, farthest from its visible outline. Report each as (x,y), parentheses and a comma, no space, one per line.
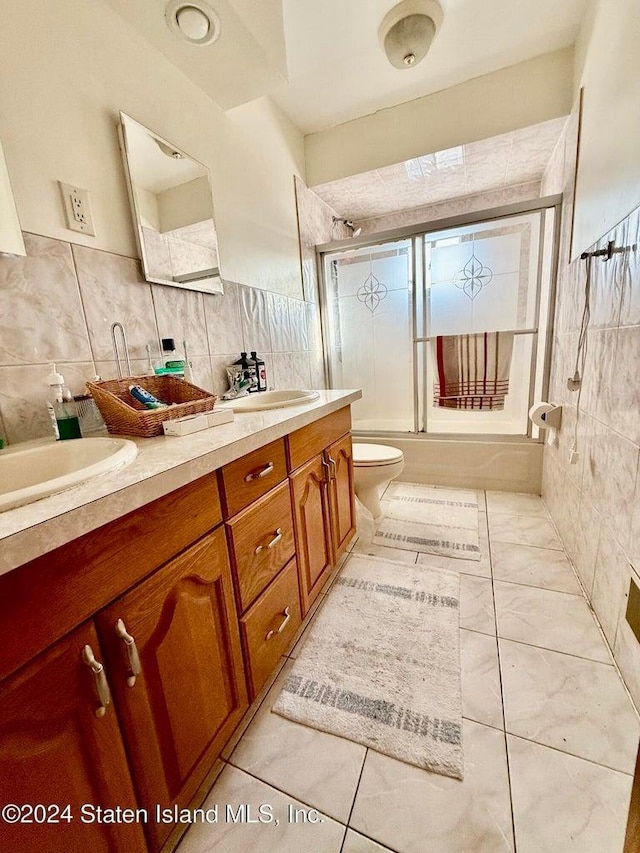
(124,415)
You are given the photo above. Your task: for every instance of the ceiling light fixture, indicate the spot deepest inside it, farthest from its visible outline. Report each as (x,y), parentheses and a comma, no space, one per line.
(192,21)
(407,30)
(355,230)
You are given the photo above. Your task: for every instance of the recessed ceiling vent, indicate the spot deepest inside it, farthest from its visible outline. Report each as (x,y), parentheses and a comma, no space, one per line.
(407,31)
(192,21)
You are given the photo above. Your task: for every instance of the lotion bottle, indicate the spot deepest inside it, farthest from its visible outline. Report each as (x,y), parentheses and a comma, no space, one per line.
(62,408)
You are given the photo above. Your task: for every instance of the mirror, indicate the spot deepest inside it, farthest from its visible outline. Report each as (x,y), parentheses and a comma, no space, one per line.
(11,241)
(172,206)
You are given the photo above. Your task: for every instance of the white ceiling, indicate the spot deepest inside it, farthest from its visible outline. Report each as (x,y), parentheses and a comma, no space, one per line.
(338,71)
(321,60)
(248,59)
(506,160)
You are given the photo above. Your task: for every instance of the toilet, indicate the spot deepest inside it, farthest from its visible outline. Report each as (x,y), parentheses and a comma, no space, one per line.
(374,466)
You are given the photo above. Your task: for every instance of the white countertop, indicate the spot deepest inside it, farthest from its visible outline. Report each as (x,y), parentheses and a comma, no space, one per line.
(163,464)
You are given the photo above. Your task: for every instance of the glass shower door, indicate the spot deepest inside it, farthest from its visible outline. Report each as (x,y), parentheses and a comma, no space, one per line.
(369,333)
(490,277)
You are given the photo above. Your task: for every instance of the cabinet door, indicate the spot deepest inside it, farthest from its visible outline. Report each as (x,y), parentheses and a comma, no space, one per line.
(341,491)
(55,750)
(309,489)
(190,692)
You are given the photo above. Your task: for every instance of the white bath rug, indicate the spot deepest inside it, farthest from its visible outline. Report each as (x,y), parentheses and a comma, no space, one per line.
(381,664)
(430,520)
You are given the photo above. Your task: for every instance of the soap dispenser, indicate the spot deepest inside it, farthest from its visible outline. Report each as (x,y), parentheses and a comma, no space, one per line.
(62,408)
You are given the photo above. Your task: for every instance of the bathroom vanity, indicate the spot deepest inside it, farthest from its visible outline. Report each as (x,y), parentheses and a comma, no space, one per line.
(132,650)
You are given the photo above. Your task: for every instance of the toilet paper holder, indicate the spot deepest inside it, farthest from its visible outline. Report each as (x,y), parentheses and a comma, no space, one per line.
(546,415)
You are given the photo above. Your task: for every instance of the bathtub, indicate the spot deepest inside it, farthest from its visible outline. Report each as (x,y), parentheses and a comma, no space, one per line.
(497,464)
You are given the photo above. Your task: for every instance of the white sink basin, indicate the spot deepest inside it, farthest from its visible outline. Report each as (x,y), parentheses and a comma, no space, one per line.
(262,400)
(28,474)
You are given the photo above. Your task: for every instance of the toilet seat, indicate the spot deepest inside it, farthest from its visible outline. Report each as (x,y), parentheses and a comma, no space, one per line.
(375,455)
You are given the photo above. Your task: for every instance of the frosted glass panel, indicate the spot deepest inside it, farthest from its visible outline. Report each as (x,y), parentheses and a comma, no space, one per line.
(370,333)
(483,278)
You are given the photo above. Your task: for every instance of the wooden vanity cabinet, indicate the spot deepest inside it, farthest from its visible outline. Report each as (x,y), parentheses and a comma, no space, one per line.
(262,549)
(188,603)
(323,499)
(178,711)
(341,494)
(55,750)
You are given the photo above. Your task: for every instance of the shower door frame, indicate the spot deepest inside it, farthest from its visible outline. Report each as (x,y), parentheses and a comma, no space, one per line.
(417,233)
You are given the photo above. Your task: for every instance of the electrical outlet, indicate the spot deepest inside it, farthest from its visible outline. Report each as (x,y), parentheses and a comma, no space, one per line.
(77,209)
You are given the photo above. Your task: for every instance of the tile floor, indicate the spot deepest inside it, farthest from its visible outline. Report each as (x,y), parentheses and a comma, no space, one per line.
(550,735)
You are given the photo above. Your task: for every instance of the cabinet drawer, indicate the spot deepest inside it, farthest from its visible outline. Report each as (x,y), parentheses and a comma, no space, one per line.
(250,477)
(307,442)
(270,625)
(261,542)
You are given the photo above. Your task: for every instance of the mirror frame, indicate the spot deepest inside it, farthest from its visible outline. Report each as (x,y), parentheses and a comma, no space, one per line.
(204,281)
(11,239)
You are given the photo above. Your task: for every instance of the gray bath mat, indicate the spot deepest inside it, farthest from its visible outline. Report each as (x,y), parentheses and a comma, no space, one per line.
(430,520)
(381,664)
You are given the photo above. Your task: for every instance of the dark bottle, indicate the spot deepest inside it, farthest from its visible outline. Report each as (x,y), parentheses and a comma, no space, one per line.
(261,372)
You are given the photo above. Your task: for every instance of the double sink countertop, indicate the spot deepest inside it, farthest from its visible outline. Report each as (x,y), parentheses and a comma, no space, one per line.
(163,464)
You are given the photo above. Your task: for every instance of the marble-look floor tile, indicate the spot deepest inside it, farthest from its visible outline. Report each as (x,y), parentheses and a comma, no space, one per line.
(552,620)
(481,694)
(516,503)
(523,530)
(539,567)
(476,604)
(563,804)
(318,768)
(235,788)
(572,704)
(479,568)
(243,725)
(356,843)
(412,810)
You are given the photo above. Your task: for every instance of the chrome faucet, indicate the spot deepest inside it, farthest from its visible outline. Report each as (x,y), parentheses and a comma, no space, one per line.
(239,388)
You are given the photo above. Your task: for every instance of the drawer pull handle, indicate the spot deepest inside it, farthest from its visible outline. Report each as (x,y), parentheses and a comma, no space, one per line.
(332,462)
(259,473)
(287,615)
(132,652)
(102,687)
(272,543)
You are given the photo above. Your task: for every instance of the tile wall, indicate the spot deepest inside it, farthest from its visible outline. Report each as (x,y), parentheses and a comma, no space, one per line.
(59,303)
(596,502)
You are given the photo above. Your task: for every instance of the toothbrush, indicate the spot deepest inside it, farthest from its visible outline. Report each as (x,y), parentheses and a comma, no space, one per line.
(188,372)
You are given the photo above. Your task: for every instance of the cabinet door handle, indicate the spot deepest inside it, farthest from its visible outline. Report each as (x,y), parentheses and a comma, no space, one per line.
(287,615)
(102,687)
(327,471)
(272,543)
(259,473)
(334,468)
(132,652)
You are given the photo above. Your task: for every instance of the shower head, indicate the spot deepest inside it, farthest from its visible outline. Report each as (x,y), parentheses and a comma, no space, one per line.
(355,230)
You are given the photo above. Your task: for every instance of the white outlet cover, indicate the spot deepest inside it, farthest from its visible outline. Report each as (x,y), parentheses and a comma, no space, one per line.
(77,209)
